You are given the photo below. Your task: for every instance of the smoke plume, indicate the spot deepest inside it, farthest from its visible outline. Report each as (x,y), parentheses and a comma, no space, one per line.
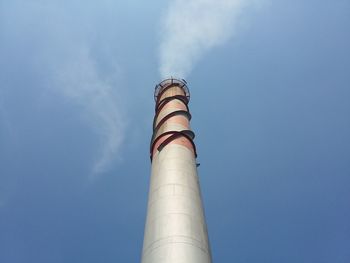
(192,27)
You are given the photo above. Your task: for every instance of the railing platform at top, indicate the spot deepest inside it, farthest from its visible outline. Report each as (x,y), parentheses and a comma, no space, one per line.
(171,82)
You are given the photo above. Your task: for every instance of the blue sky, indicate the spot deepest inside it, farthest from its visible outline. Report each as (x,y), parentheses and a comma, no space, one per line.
(76,108)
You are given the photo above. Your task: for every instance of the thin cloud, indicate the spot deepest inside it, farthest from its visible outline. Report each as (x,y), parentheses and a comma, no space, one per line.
(78,80)
(62,47)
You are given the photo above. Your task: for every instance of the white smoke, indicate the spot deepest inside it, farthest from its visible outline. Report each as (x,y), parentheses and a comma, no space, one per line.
(192,27)
(79,80)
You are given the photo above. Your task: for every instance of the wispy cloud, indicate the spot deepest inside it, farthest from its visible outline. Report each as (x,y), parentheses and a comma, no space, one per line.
(79,80)
(192,27)
(58,39)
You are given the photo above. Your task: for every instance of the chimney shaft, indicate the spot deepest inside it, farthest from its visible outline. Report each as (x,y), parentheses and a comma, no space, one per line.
(175,230)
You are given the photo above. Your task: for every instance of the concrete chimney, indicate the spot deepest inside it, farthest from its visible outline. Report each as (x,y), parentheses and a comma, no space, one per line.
(175,230)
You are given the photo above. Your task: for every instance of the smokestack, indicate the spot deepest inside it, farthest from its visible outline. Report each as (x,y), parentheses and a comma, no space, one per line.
(175,230)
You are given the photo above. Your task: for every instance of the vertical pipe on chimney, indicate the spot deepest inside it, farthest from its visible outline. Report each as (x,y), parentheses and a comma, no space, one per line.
(175,230)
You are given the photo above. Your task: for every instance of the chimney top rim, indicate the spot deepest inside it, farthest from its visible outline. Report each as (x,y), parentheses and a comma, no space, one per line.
(171,82)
